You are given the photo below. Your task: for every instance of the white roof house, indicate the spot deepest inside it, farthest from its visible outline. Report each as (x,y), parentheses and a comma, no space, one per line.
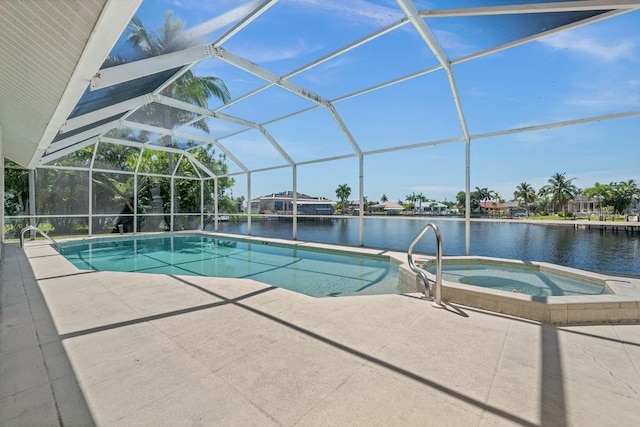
(282,203)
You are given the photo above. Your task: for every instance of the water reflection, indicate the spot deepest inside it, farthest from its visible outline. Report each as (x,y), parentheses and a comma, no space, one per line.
(563,245)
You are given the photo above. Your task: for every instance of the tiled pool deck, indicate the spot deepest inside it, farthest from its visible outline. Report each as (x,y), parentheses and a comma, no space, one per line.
(79,348)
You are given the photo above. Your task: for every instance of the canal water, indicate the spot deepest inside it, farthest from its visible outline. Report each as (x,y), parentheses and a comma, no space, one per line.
(603,251)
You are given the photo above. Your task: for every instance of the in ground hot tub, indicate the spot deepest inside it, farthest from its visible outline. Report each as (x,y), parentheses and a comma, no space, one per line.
(534,290)
(523,278)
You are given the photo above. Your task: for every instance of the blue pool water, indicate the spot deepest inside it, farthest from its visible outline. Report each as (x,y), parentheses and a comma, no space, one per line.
(524,280)
(309,271)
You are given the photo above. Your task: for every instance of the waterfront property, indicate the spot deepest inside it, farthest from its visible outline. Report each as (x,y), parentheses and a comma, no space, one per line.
(582,204)
(390,208)
(282,204)
(499,208)
(124,113)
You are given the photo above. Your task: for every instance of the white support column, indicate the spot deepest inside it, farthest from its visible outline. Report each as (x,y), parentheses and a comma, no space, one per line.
(135,203)
(361,191)
(430,40)
(32,199)
(90,219)
(467,199)
(249,199)
(91,165)
(295,201)
(201,204)
(171,210)
(215,204)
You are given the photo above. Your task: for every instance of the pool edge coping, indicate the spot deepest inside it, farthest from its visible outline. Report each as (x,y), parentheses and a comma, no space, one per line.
(620,306)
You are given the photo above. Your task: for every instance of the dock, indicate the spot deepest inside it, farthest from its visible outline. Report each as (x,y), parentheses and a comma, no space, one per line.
(630,227)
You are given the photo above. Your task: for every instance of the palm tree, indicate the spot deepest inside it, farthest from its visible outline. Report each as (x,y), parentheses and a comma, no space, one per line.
(632,191)
(189,87)
(560,189)
(384,198)
(622,195)
(420,198)
(598,191)
(525,193)
(343,192)
(482,195)
(412,198)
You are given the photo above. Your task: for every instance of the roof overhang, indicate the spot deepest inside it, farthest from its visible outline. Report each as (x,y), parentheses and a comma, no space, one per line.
(47,62)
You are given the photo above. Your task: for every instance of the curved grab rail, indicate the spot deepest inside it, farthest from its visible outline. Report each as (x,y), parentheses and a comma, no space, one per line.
(421,272)
(42,233)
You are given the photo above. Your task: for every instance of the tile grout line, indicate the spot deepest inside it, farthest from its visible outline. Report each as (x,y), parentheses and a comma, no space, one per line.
(495,372)
(43,359)
(626,351)
(359,368)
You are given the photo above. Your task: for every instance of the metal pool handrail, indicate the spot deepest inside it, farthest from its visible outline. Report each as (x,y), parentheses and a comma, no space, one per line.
(438,291)
(42,233)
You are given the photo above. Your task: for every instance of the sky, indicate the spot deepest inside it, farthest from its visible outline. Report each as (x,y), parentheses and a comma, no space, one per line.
(588,71)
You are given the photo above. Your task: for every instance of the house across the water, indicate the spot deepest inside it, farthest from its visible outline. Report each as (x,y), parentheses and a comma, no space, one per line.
(282,204)
(391,208)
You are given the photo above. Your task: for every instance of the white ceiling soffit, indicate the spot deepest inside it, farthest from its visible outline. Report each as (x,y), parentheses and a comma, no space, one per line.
(49,50)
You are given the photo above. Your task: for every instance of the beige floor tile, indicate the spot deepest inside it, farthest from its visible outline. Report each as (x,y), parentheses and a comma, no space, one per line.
(206,401)
(161,350)
(21,371)
(32,407)
(290,376)
(378,396)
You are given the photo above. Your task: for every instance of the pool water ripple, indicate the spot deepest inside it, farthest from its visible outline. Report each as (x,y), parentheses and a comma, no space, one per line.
(306,270)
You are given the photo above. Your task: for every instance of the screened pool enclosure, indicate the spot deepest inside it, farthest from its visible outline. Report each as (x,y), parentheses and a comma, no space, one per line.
(139,116)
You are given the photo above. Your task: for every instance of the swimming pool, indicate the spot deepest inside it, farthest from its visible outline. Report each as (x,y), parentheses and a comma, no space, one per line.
(310,271)
(528,280)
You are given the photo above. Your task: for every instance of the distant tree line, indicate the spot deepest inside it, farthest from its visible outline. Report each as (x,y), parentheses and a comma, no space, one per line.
(616,197)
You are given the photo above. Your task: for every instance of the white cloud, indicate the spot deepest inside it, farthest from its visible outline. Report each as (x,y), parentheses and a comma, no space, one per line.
(605,94)
(601,50)
(325,73)
(263,54)
(605,98)
(355,11)
(452,41)
(220,21)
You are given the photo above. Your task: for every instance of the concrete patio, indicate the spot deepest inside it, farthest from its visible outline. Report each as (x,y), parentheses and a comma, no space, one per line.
(81,348)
